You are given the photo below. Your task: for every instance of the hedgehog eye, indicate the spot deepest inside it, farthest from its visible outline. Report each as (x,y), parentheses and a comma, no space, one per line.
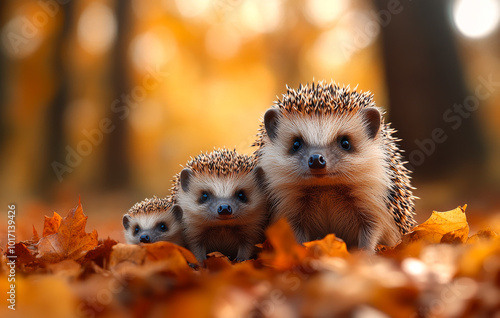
(163,227)
(297,144)
(204,197)
(241,196)
(345,143)
(137,229)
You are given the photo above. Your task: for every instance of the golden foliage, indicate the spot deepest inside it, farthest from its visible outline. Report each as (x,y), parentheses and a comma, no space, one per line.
(436,270)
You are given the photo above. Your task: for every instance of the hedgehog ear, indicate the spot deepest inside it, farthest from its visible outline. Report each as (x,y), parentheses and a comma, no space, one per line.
(177,211)
(271,122)
(259,176)
(126,221)
(373,120)
(185,178)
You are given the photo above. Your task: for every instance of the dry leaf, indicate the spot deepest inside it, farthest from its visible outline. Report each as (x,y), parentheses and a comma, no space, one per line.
(286,252)
(444,222)
(452,225)
(70,241)
(51,225)
(330,245)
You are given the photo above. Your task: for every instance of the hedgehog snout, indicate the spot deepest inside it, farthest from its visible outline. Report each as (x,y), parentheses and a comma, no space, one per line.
(225,209)
(144,238)
(317,161)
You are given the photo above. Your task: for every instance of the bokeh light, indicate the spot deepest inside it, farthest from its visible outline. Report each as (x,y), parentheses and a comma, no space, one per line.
(262,15)
(97,28)
(20,37)
(476,18)
(153,48)
(324,12)
(192,8)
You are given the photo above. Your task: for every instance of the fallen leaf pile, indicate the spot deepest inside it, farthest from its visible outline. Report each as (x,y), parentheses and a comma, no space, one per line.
(437,270)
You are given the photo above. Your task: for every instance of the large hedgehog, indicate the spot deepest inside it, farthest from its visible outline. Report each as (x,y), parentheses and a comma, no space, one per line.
(223,202)
(332,165)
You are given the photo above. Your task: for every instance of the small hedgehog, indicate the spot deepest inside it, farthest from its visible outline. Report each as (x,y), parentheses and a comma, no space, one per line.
(332,165)
(223,203)
(153,220)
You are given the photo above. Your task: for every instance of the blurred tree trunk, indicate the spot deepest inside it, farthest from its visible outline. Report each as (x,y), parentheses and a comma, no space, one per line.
(3,79)
(116,167)
(425,81)
(55,125)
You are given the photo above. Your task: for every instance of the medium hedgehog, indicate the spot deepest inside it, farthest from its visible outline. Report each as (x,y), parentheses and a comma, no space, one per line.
(332,165)
(153,220)
(224,206)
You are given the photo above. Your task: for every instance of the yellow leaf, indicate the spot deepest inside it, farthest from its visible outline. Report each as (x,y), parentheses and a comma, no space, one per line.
(444,222)
(330,245)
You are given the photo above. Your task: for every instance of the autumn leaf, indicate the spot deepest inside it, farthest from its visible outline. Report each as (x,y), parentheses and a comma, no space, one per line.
(51,225)
(483,235)
(444,222)
(330,246)
(35,237)
(126,253)
(164,250)
(24,255)
(445,227)
(101,253)
(70,241)
(285,252)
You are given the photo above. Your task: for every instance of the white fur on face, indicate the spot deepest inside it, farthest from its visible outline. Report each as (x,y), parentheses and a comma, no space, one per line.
(221,189)
(320,134)
(149,221)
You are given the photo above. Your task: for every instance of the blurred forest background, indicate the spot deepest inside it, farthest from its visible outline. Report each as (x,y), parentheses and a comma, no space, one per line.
(106,99)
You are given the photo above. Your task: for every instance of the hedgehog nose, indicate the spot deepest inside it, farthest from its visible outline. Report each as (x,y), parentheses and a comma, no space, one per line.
(317,161)
(224,209)
(144,238)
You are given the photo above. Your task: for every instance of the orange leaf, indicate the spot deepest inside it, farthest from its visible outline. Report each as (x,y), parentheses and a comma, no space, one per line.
(35,237)
(444,222)
(451,226)
(482,235)
(24,255)
(330,245)
(100,254)
(161,250)
(456,237)
(70,241)
(286,252)
(51,225)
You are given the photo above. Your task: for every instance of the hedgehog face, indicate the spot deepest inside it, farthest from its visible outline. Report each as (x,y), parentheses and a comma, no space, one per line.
(152,227)
(322,148)
(233,198)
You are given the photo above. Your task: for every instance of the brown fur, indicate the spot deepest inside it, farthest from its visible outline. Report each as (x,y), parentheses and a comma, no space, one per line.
(363,196)
(221,174)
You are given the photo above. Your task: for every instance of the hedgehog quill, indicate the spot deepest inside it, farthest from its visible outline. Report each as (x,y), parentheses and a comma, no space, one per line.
(332,165)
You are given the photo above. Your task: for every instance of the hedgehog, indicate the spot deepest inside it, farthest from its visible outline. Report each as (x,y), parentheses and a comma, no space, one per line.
(332,165)
(153,220)
(223,202)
